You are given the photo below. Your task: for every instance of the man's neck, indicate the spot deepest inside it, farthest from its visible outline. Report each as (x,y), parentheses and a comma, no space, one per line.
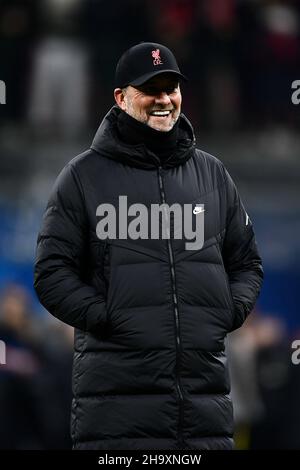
(134,132)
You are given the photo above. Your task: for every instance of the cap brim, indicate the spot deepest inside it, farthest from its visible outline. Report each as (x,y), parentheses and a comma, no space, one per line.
(144,78)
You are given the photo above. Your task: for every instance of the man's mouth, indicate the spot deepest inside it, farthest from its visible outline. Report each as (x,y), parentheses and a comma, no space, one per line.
(161,113)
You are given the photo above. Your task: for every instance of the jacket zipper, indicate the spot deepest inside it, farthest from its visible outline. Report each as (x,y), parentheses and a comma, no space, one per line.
(176,314)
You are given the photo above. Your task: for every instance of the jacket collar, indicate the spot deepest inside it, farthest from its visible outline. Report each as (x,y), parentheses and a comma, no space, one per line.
(108,144)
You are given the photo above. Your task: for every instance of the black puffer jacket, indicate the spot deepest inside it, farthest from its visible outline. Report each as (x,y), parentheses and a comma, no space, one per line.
(150,316)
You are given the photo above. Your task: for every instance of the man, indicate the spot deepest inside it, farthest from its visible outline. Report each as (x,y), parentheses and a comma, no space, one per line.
(151,310)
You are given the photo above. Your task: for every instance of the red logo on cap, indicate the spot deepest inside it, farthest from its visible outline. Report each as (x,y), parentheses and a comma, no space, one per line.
(156,57)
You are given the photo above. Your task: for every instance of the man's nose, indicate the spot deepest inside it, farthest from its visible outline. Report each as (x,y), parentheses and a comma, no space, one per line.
(162,97)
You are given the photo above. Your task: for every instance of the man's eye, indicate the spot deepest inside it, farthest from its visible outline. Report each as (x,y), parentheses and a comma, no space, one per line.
(153,91)
(171,89)
(150,91)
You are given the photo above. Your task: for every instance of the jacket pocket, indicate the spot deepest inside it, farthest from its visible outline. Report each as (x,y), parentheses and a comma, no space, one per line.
(106,264)
(230,297)
(106,273)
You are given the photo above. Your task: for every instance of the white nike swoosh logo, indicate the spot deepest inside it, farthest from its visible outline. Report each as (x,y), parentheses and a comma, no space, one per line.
(198,210)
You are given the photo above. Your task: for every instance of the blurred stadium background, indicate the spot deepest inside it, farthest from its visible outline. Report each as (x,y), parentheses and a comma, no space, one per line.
(57,59)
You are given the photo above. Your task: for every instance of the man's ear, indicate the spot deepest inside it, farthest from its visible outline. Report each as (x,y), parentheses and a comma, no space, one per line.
(119,98)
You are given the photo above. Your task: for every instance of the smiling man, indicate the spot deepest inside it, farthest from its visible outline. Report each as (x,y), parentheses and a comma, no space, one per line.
(147,77)
(151,313)
(157,103)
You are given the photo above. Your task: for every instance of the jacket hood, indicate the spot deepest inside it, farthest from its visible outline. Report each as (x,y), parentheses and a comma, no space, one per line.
(108,143)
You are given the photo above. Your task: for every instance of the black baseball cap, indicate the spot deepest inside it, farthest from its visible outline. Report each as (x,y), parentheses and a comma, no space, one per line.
(144,61)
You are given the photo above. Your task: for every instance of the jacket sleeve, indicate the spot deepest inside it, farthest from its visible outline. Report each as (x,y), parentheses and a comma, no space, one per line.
(60,255)
(240,255)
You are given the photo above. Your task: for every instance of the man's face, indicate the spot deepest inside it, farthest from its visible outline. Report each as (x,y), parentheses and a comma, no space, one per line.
(156,103)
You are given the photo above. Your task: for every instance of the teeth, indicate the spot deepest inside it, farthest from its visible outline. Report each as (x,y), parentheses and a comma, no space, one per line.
(160,113)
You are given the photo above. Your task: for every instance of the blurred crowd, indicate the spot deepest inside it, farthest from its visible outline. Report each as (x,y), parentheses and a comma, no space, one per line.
(35,380)
(265,384)
(241,56)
